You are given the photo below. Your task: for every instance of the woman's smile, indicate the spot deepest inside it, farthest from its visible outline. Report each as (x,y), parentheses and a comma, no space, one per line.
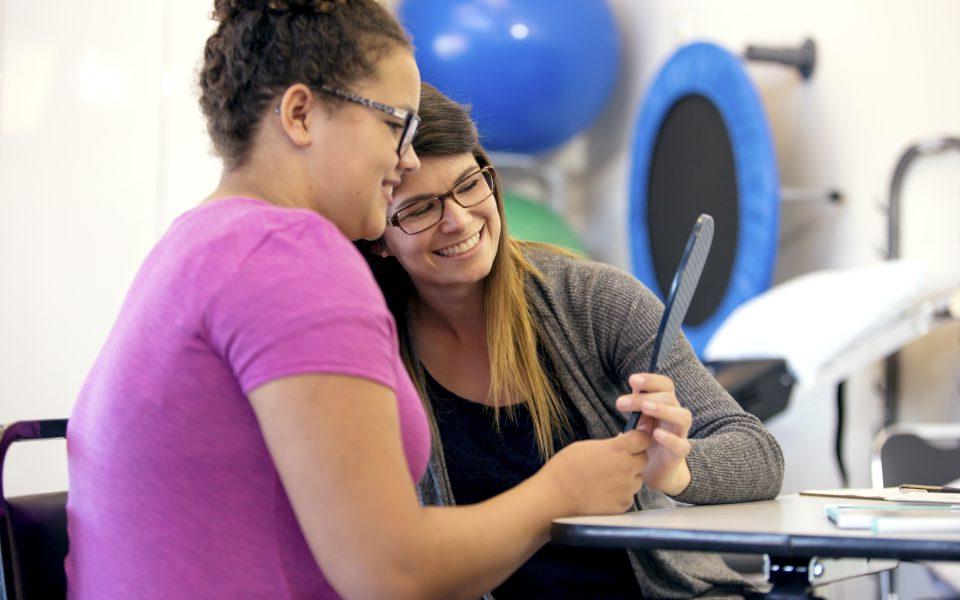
(461,249)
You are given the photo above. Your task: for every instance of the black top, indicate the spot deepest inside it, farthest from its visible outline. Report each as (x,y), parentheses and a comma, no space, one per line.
(483,463)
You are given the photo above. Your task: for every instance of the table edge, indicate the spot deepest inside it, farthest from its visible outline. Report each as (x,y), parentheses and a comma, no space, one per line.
(779,544)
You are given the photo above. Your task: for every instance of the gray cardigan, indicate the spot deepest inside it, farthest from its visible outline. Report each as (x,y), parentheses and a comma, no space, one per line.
(598,325)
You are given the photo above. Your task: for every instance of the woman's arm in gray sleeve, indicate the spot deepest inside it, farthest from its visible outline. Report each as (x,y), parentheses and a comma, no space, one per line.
(733,457)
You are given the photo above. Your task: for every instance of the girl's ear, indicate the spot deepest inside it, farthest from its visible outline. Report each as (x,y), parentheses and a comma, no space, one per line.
(295,113)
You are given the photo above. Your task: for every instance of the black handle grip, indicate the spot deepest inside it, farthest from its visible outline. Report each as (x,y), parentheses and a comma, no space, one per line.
(803,57)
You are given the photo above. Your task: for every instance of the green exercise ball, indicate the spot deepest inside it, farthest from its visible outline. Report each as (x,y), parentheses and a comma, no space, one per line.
(536,222)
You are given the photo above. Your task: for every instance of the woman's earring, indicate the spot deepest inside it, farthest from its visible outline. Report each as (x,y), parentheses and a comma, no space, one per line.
(380,249)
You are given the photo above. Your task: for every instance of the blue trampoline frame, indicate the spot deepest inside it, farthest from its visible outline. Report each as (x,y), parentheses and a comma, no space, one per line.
(710,71)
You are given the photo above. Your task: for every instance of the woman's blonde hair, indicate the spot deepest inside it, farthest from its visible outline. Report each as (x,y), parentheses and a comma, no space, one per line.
(516,370)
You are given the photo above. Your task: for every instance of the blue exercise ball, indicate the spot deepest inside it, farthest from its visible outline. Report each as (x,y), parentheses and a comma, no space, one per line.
(535,73)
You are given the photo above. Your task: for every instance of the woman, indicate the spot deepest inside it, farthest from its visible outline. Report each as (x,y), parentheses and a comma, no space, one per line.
(554,345)
(248,429)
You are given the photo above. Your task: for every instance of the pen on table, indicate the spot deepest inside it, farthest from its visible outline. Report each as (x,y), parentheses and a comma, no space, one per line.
(939,489)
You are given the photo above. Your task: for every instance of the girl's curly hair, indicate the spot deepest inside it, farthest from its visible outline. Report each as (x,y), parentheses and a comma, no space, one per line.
(261,47)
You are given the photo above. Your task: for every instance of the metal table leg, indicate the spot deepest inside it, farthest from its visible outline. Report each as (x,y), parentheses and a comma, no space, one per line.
(796,577)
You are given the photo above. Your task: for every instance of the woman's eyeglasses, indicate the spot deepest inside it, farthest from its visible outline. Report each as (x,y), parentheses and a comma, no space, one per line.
(424,213)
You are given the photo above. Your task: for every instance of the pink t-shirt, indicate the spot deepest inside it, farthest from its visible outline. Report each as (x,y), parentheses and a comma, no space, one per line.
(172,491)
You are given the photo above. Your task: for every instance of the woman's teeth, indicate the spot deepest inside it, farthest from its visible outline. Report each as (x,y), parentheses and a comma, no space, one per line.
(462,247)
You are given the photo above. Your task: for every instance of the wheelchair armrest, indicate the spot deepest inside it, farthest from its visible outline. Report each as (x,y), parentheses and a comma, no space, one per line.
(45,429)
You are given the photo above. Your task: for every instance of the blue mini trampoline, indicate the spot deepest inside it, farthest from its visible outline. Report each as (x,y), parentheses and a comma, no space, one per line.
(702,145)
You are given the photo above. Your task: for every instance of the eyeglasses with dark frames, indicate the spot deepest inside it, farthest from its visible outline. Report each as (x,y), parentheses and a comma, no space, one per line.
(411,121)
(424,213)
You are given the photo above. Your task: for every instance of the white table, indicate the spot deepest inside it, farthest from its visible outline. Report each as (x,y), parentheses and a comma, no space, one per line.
(792,531)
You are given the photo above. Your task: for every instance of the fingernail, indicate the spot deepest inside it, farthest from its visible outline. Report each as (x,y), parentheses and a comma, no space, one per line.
(649,405)
(622,403)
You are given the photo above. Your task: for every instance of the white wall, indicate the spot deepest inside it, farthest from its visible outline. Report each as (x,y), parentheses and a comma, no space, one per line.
(102,144)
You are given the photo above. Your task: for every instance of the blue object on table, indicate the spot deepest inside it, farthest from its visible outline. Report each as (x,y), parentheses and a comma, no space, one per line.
(702,145)
(536,73)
